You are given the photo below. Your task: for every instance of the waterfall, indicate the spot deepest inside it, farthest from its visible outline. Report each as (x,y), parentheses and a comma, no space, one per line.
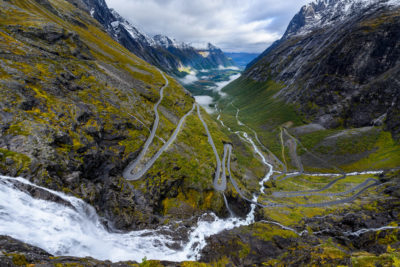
(76,230)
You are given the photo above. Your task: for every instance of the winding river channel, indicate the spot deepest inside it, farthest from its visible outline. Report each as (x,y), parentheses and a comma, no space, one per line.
(74,229)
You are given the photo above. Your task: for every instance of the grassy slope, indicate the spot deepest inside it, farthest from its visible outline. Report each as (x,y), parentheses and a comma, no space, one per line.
(259,110)
(117,88)
(265,113)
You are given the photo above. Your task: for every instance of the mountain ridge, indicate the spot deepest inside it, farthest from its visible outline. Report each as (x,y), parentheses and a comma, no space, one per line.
(299,47)
(103,155)
(162,51)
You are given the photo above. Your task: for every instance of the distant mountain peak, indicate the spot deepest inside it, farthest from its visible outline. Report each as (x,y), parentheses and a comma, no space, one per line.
(167,42)
(160,50)
(323,13)
(210,46)
(133,31)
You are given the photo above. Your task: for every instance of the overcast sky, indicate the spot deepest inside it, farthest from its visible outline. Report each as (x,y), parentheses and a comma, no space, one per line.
(233,25)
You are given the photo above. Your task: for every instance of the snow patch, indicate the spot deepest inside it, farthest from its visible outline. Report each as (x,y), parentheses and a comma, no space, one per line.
(323,13)
(135,33)
(394,2)
(115,24)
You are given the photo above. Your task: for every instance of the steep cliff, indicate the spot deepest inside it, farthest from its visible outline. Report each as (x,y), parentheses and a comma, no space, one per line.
(336,71)
(161,50)
(339,62)
(76,108)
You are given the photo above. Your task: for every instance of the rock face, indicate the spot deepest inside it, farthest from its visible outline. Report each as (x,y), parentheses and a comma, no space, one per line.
(160,51)
(355,235)
(76,108)
(340,63)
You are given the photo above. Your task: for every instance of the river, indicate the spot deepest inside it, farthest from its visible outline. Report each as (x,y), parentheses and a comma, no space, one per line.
(76,229)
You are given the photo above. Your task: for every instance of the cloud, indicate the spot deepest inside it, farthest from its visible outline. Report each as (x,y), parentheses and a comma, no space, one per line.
(233,25)
(190,78)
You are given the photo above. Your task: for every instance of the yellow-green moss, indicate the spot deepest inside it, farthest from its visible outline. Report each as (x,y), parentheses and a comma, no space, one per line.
(21,160)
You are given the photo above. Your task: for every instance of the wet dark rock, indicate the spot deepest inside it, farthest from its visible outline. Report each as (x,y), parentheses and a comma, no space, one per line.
(230,243)
(9,161)
(47,5)
(16,253)
(239,206)
(29,104)
(43,194)
(10,245)
(62,138)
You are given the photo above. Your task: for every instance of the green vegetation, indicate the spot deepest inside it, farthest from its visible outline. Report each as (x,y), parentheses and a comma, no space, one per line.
(263,111)
(362,259)
(258,105)
(84,103)
(359,149)
(18,161)
(18,259)
(259,109)
(97,108)
(386,155)
(374,23)
(267,232)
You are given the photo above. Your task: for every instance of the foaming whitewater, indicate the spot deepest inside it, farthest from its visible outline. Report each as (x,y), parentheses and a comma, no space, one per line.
(76,230)
(264,160)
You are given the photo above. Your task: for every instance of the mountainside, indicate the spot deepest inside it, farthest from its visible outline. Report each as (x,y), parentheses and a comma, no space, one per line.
(340,62)
(160,51)
(323,105)
(76,108)
(105,160)
(337,67)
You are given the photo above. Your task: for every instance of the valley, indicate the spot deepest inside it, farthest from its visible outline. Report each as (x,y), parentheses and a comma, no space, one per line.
(120,149)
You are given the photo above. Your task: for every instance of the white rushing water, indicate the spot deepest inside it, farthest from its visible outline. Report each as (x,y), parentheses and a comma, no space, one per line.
(366,230)
(77,230)
(264,160)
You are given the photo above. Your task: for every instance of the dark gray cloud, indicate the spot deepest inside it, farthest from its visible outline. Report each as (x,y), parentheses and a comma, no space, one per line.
(233,25)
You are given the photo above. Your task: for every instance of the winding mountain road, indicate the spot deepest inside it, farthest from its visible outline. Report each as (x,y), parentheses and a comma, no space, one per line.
(362,186)
(220,176)
(219,186)
(308,192)
(127,174)
(172,138)
(318,192)
(327,164)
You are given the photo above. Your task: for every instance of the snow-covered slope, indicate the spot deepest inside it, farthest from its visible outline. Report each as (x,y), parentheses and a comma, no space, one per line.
(161,51)
(134,32)
(323,13)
